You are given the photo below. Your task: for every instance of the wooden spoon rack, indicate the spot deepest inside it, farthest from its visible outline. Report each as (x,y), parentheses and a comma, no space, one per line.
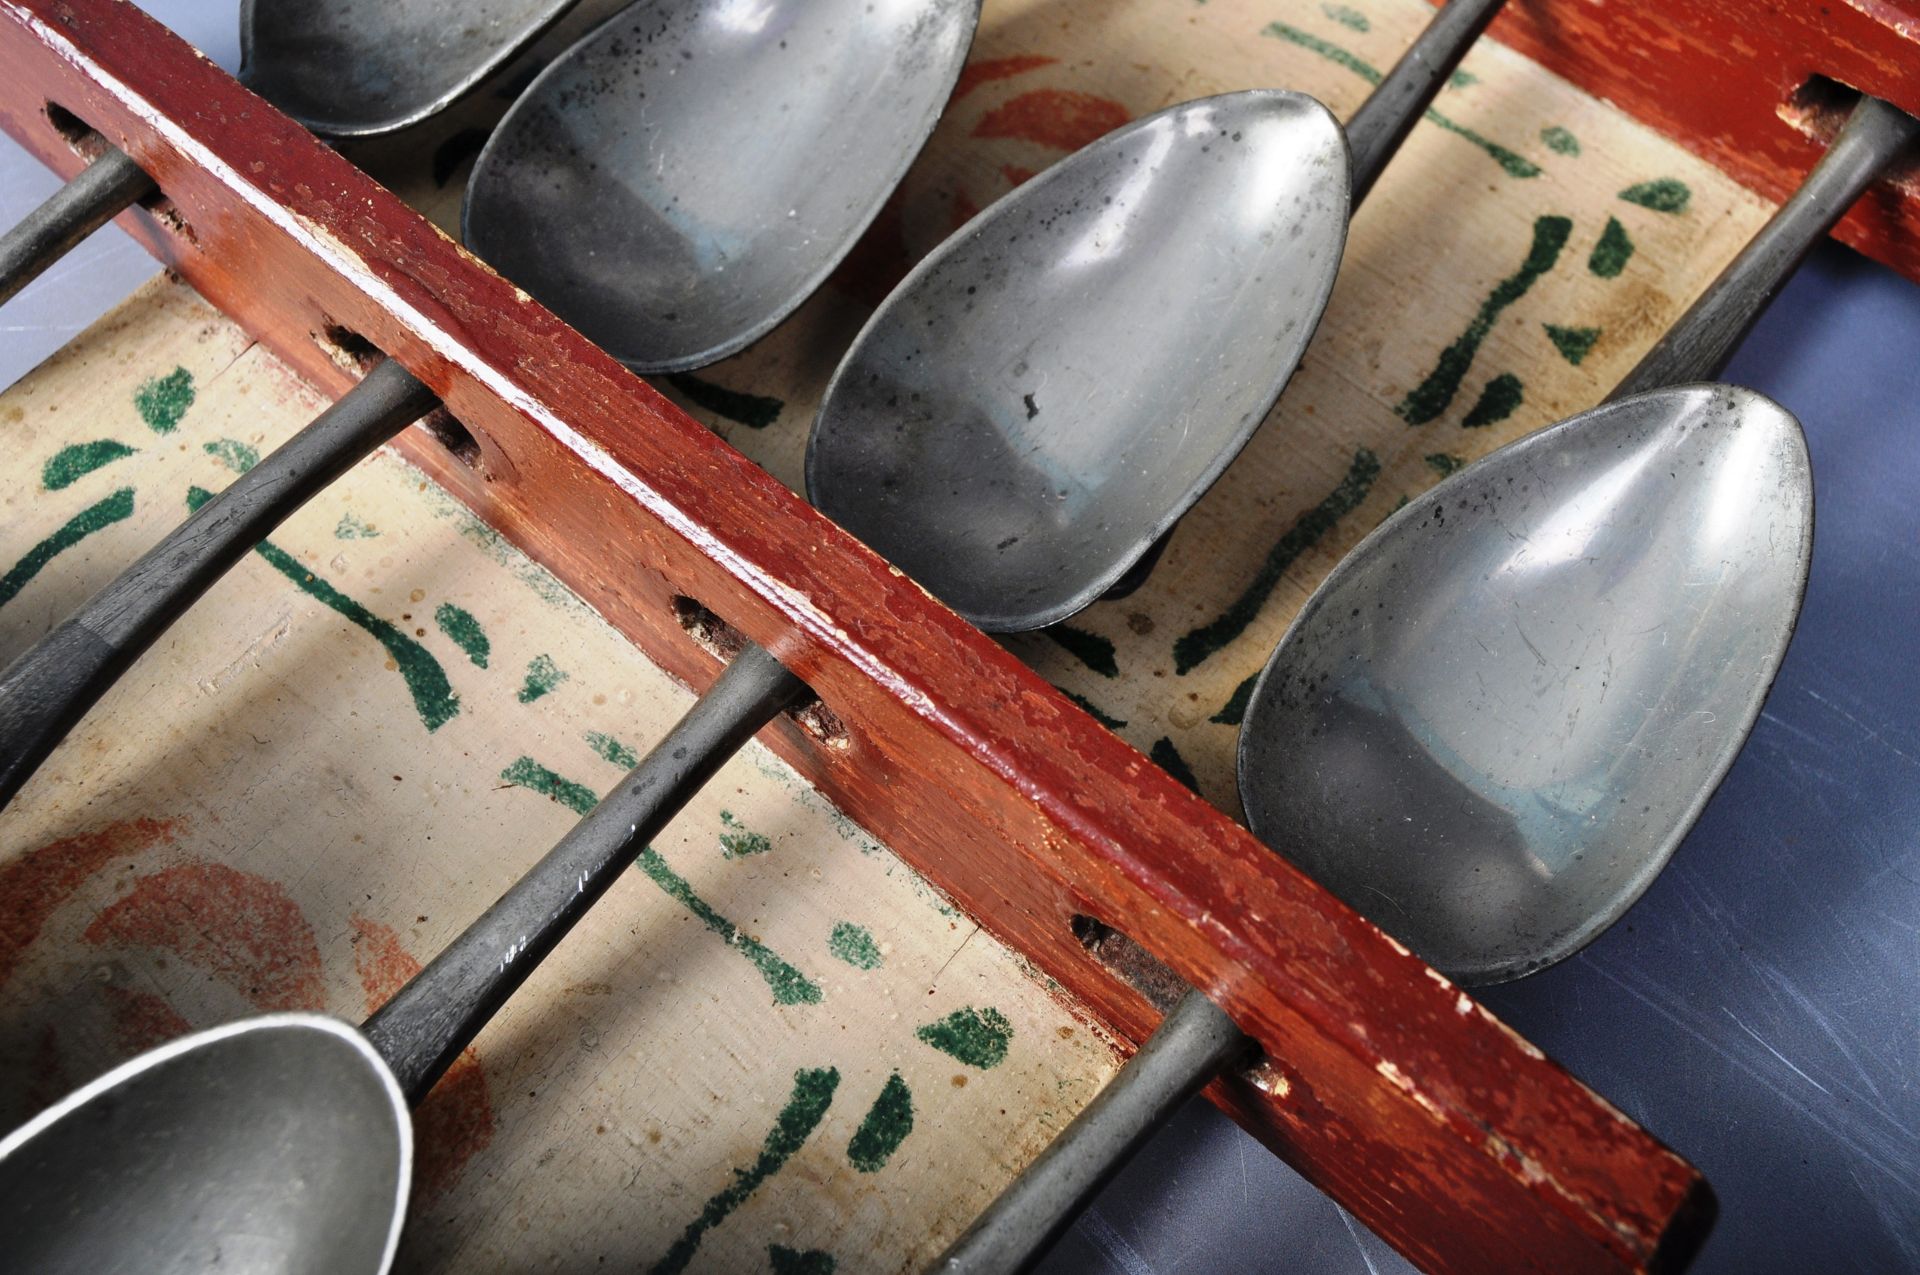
(1386,1086)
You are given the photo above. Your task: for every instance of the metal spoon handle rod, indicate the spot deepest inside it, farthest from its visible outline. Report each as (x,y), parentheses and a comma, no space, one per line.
(1390,112)
(437,1014)
(50,687)
(1193,1045)
(1698,346)
(97,194)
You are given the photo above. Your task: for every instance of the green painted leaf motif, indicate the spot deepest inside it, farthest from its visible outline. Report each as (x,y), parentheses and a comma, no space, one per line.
(1611,255)
(886,1126)
(1665,195)
(612,750)
(542,676)
(1092,650)
(1559,140)
(1168,758)
(806,1107)
(854,944)
(755,411)
(96,517)
(740,841)
(976,1037)
(1500,399)
(163,400)
(232,453)
(1574,344)
(465,631)
(72,463)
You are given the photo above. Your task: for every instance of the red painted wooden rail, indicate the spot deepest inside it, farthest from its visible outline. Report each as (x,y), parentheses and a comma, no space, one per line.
(1442,1129)
(1729,81)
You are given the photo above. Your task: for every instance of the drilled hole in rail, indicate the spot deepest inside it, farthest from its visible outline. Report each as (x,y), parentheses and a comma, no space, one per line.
(86,142)
(1819,108)
(1127,961)
(724,642)
(77,132)
(456,438)
(347,348)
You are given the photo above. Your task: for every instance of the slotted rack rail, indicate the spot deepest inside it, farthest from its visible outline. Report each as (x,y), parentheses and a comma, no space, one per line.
(1443,1130)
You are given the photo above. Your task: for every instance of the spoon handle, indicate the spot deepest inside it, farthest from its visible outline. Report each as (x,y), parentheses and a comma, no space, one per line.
(1698,346)
(97,194)
(439,1012)
(1193,1044)
(50,687)
(1390,112)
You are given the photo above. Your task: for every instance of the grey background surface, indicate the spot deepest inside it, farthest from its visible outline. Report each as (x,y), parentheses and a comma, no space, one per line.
(1756,1009)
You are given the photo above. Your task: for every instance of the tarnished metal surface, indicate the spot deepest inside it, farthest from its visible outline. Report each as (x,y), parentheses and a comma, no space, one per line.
(274,1144)
(1054,386)
(352,68)
(680,180)
(1492,724)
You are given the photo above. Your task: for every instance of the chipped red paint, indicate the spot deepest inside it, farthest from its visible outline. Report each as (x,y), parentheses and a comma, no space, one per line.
(455,1123)
(1064,119)
(239,926)
(35,885)
(988,70)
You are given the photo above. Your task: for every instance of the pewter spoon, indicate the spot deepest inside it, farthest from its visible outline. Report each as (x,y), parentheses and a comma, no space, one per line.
(721,62)
(1533,676)
(628,191)
(343,68)
(1494,762)
(1026,418)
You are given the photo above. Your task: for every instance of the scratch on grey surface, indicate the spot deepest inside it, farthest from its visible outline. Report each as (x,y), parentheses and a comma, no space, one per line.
(1867,1144)
(1776,1053)
(1891,1220)
(1779,979)
(1346,1220)
(1869,731)
(1114,1245)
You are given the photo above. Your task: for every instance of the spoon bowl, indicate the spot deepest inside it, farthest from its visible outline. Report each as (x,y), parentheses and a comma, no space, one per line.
(274,1144)
(1043,397)
(357,68)
(1448,735)
(692,170)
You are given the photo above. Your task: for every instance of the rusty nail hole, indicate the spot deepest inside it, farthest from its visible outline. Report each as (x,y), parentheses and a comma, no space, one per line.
(722,641)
